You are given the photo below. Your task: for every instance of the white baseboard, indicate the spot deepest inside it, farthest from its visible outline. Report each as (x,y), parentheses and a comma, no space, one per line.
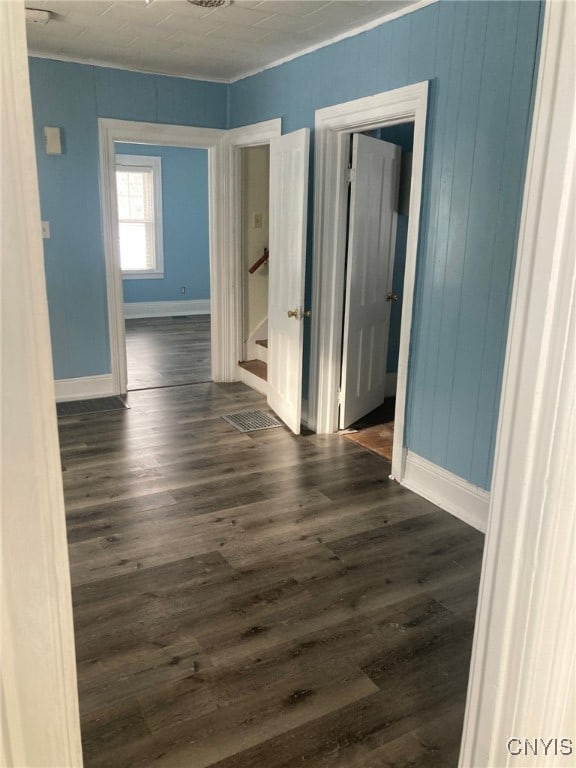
(448,491)
(84,388)
(252,381)
(138,309)
(390,385)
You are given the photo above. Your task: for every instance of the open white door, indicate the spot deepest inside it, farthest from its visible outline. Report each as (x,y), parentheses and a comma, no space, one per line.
(288,210)
(371,241)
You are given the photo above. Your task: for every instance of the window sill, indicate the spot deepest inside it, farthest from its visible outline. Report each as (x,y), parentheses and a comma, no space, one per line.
(145,275)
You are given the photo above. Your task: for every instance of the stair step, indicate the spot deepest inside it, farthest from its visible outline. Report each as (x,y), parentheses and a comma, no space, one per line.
(262,350)
(257,367)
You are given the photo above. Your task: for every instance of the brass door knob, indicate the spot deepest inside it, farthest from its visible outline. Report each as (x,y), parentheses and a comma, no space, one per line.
(293,313)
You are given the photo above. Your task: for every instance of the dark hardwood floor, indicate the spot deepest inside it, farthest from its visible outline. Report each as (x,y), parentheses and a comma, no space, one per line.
(168,351)
(259,600)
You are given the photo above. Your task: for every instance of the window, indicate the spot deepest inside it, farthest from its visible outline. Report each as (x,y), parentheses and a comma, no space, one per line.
(139,192)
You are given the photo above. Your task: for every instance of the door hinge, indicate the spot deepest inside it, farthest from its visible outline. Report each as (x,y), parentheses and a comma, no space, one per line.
(340,397)
(351,174)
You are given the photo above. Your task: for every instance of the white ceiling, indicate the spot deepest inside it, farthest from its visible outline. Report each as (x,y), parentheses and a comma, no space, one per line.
(173,37)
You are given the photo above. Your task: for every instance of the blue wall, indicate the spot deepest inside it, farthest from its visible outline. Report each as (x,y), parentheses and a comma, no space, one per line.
(185,226)
(73,96)
(480,58)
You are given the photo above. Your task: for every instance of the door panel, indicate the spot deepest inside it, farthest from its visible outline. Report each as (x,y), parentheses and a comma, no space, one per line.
(288,212)
(371,243)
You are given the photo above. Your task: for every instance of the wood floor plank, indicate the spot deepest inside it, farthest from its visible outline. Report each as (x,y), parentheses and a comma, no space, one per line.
(167,351)
(435,677)
(258,600)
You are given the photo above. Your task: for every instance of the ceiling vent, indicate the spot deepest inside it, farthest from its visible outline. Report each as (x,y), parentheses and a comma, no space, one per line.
(210,3)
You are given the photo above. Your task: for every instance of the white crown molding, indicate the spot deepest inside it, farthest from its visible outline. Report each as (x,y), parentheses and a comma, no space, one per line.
(380,21)
(448,491)
(140,309)
(248,73)
(108,65)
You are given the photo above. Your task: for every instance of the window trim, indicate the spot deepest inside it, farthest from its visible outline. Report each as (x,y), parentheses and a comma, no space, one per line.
(155,163)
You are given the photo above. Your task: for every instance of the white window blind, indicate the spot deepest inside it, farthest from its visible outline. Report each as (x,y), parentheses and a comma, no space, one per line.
(138,214)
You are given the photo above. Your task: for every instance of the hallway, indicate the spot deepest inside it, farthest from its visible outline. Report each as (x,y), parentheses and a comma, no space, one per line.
(258,600)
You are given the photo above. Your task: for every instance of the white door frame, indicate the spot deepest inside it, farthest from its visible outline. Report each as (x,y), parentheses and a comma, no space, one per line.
(38,690)
(236,139)
(522,669)
(111,131)
(333,126)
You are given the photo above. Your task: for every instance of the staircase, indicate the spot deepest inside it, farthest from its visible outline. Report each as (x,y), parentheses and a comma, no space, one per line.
(255,372)
(262,350)
(255,367)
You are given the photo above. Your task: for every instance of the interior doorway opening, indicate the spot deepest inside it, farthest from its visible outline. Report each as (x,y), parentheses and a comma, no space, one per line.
(288,198)
(255,207)
(163,229)
(378,218)
(112,132)
(333,126)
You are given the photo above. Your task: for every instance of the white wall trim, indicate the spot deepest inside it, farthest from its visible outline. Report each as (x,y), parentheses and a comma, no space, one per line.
(136,309)
(522,670)
(462,499)
(111,131)
(84,388)
(333,125)
(40,722)
(108,65)
(235,139)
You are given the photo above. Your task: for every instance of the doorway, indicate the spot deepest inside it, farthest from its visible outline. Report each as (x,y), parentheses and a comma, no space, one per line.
(255,205)
(378,217)
(333,126)
(163,227)
(288,197)
(112,132)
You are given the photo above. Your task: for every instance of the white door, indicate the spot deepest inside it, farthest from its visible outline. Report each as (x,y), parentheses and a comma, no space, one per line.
(371,242)
(288,210)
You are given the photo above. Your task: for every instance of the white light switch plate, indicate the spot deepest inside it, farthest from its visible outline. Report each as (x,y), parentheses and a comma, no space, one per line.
(46,230)
(53,140)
